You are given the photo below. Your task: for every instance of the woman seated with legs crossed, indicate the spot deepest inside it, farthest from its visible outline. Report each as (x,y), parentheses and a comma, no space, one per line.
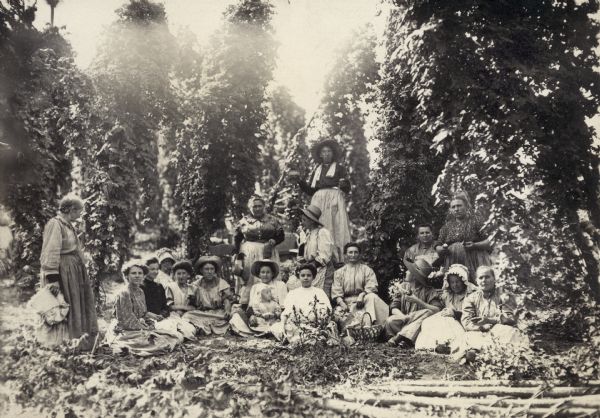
(354,290)
(211,297)
(134,327)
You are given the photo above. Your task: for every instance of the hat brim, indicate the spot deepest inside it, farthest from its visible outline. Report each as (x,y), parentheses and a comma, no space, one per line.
(310,216)
(202,261)
(335,148)
(416,272)
(257,265)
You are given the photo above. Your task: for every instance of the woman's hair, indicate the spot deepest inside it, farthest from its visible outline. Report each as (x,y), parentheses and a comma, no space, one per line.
(309,267)
(182,265)
(254,199)
(352,244)
(152,260)
(70,202)
(485,269)
(133,263)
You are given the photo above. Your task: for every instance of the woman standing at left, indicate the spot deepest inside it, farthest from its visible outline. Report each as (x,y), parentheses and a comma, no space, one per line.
(63,269)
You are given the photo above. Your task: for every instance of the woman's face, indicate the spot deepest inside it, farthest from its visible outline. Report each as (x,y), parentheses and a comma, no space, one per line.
(457,207)
(152,271)
(352,254)
(307,223)
(208,271)
(258,208)
(166,266)
(456,284)
(326,155)
(135,276)
(74,213)
(265,274)
(181,277)
(486,281)
(306,277)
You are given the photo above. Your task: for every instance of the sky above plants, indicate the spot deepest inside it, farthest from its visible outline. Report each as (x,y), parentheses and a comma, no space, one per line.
(308,32)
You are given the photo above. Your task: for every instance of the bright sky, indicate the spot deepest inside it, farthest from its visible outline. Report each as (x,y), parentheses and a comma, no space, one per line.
(308,32)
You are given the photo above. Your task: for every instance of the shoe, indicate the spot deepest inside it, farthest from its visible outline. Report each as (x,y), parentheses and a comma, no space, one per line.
(442,349)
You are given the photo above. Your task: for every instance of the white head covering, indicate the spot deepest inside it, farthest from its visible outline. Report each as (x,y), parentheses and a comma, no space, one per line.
(460,271)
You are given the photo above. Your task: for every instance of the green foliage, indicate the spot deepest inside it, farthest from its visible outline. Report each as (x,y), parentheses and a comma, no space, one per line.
(218,144)
(348,91)
(43,121)
(131,73)
(507,124)
(110,208)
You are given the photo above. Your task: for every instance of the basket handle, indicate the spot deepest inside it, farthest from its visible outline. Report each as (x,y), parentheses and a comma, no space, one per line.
(362,319)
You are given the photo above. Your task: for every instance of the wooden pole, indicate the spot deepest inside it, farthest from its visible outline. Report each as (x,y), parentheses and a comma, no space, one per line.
(479,383)
(517,392)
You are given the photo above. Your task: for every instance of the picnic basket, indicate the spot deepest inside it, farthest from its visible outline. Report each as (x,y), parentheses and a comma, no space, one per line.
(364,333)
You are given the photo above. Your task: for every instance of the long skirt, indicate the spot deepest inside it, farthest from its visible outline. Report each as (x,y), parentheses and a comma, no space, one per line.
(142,343)
(211,322)
(334,216)
(324,278)
(176,325)
(408,326)
(470,259)
(378,312)
(253,251)
(301,334)
(77,291)
(477,340)
(438,329)
(240,325)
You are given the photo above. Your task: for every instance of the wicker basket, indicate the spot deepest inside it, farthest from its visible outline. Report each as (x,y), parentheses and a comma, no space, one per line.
(365,333)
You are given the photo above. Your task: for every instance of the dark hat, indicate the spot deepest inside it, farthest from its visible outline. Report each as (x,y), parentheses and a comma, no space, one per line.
(331,143)
(313,213)
(256,266)
(206,259)
(308,266)
(420,269)
(183,265)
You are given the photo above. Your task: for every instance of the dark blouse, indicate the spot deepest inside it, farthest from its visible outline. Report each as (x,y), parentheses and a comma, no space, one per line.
(156,300)
(457,230)
(258,230)
(339,179)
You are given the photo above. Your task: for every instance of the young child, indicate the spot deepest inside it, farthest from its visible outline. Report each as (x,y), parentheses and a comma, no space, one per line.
(267,312)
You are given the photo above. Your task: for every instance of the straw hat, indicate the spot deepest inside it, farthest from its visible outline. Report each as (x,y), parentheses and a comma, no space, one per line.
(420,269)
(257,265)
(208,259)
(313,213)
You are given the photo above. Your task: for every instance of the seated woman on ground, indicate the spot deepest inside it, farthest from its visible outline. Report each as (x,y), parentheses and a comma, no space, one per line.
(211,298)
(441,329)
(354,291)
(178,293)
(307,312)
(267,272)
(488,317)
(134,327)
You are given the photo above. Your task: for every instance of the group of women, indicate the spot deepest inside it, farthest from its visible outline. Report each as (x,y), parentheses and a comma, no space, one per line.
(166,301)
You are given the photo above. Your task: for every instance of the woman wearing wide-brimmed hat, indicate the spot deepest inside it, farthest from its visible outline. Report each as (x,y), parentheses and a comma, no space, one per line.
(266,273)
(327,184)
(318,248)
(444,327)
